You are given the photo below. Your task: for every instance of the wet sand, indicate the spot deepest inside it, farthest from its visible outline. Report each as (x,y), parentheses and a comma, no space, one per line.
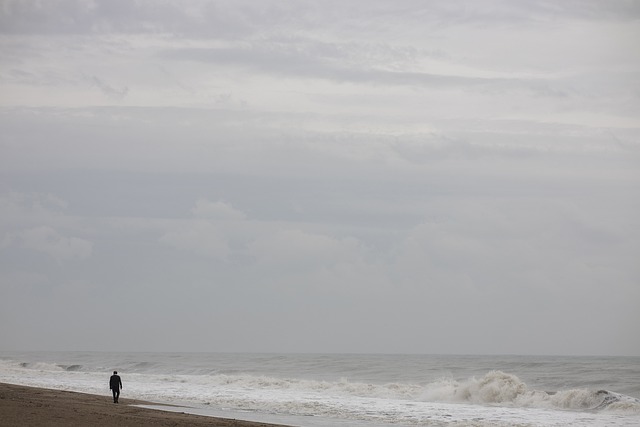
(30,406)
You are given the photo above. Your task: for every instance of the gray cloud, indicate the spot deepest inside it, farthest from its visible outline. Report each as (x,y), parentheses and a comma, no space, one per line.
(364,176)
(116,93)
(241,17)
(49,241)
(303,63)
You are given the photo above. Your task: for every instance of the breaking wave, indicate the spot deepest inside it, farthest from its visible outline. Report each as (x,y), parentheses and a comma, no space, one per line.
(43,366)
(502,389)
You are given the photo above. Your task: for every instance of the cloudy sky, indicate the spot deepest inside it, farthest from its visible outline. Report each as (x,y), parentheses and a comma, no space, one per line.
(320,176)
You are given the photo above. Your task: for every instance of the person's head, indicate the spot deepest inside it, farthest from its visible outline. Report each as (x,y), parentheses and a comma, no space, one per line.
(115,372)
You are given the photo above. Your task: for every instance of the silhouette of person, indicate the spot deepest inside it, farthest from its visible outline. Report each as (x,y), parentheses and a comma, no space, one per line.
(115,384)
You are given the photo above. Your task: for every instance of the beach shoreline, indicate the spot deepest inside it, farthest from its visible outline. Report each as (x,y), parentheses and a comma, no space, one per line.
(33,406)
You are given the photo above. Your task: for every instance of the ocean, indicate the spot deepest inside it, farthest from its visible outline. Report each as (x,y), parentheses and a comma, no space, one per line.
(355,390)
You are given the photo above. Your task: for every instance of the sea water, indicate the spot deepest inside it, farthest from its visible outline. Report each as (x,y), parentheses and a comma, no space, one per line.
(320,390)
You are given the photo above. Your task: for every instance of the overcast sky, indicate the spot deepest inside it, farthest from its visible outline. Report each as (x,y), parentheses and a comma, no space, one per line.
(320,176)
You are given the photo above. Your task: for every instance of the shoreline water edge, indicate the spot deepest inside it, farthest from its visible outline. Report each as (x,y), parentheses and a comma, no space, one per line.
(330,390)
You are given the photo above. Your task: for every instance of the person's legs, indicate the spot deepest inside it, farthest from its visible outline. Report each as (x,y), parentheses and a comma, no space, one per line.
(116,393)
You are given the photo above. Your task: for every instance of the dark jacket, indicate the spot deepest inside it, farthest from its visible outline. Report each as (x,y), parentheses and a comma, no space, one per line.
(115,383)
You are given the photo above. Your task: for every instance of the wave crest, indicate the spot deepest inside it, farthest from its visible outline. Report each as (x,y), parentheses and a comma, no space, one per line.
(499,388)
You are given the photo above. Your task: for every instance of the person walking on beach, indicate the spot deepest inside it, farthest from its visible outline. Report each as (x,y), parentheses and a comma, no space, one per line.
(115,384)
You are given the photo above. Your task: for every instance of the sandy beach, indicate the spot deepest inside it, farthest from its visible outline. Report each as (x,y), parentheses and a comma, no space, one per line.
(29,406)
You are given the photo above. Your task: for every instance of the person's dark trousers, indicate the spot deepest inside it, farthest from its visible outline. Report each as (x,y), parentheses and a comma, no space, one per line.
(116,394)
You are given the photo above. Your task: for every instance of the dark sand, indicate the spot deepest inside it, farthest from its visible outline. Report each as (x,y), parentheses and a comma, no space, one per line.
(29,406)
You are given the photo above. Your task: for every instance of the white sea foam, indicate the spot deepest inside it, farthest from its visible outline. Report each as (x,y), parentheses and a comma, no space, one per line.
(495,398)
(499,388)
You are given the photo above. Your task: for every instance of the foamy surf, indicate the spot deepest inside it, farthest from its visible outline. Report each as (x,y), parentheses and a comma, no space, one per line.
(338,390)
(497,388)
